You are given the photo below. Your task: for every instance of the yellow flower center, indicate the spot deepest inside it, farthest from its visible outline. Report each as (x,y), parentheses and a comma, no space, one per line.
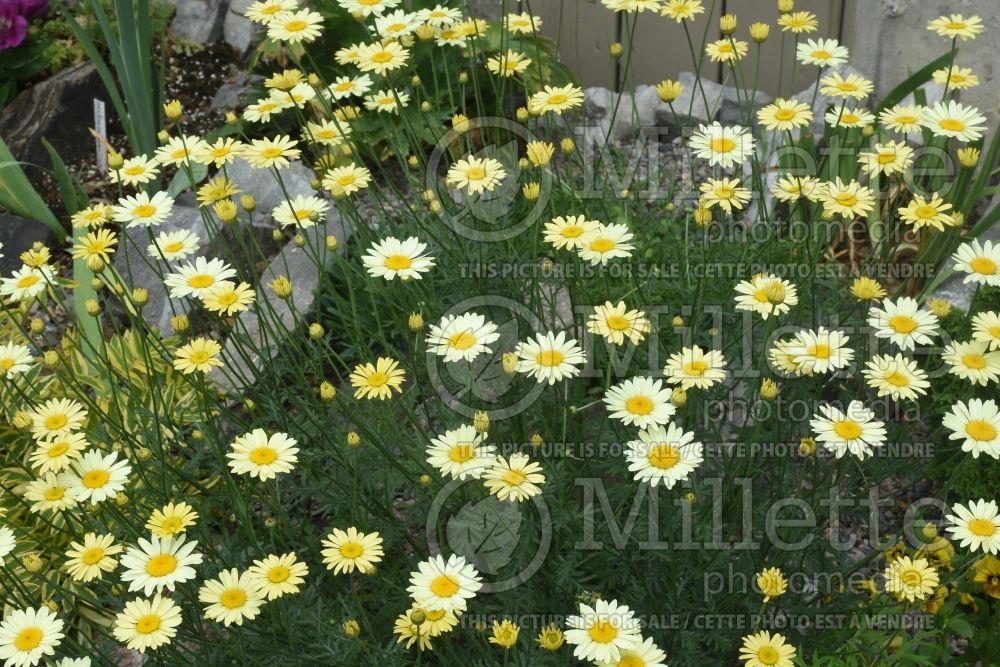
(925,212)
(820,351)
(278,574)
(784,114)
(173,247)
(549,358)
(955,25)
(377,379)
(846,87)
(56,422)
(975,361)
(724,192)
(7,363)
(171,525)
(92,556)
(618,323)
(54,493)
(475,173)
(696,368)
(821,54)
(198,357)
(444,586)
(887,157)
(382,57)
(147,624)
(227,299)
(849,117)
(726,48)
(572,231)
(271,153)
(28,638)
(664,456)
(200,281)
(951,124)
(161,565)
(906,120)
(982,527)
(977,429)
(144,210)
(514,477)
(263,456)
(233,598)
(462,452)
(27,281)
(723,145)
(462,341)
(603,632)
(984,266)
(351,550)
(911,578)
(345,180)
(767,655)
(557,98)
(602,245)
(297,25)
(639,405)
(95,479)
(398,262)
(848,429)
(134,170)
(897,379)
(995,331)
(845,198)
(903,324)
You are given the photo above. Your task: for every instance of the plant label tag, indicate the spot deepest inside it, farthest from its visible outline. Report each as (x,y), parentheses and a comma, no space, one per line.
(100,126)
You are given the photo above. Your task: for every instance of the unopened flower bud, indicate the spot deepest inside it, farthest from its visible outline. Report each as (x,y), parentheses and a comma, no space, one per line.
(21,420)
(173,110)
(33,563)
(509,361)
(180,323)
(327,391)
(481,422)
(353,440)
(768,389)
(679,397)
(759,32)
(415,322)
(282,287)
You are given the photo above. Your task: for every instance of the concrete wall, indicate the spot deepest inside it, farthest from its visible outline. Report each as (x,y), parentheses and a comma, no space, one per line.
(889,40)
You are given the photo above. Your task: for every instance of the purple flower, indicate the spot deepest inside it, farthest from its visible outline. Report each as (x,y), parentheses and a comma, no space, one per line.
(13,26)
(33,9)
